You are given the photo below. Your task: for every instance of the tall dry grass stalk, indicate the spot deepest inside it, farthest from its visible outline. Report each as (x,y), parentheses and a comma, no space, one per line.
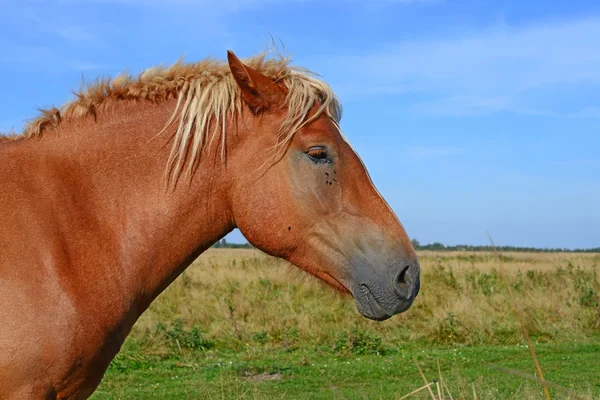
(517,309)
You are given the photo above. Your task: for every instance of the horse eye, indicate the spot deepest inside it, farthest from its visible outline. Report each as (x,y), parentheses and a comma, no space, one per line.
(318,154)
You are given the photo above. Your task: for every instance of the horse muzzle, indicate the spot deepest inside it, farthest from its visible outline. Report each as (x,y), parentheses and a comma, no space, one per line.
(378,296)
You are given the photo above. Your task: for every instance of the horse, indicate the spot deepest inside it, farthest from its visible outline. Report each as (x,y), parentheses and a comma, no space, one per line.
(107,199)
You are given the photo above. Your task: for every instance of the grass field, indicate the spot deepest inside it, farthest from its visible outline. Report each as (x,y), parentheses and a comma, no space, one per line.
(238,324)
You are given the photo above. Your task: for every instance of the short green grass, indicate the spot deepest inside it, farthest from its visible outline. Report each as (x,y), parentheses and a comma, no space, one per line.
(262,373)
(238,324)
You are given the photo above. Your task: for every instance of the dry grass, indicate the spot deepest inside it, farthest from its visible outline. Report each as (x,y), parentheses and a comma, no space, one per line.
(235,297)
(271,331)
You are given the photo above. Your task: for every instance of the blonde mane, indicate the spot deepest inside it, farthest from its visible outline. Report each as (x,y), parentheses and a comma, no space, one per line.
(206,94)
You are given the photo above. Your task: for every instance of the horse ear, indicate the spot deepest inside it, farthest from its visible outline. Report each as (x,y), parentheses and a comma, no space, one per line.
(259,92)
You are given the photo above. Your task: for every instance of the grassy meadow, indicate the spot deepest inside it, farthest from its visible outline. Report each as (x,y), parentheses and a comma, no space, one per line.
(239,324)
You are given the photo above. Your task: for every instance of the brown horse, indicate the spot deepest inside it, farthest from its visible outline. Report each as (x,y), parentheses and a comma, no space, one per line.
(104,202)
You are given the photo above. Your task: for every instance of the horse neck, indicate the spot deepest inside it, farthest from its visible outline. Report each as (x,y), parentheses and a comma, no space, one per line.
(150,232)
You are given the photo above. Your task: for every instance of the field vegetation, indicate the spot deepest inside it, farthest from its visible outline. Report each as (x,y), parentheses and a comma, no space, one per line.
(239,324)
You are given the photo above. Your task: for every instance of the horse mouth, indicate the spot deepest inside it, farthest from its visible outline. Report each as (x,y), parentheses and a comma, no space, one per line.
(368,305)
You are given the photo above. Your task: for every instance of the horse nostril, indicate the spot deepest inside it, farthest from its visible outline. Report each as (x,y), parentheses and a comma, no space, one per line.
(401,279)
(406,282)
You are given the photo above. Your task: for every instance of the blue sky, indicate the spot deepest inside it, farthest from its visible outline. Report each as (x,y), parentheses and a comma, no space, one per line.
(471,116)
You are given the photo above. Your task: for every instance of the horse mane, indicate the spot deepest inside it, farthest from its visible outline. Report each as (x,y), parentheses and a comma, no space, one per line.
(206,94)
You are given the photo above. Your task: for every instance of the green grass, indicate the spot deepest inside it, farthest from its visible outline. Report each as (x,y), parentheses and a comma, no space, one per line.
(238,324)
(323,374)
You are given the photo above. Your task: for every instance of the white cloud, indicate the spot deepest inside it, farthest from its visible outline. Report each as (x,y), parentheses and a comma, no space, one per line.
(74,33)
(484,70)
(243,2)
(371,2)
(57,24)
(581,162)
(82,65)
(220,6)
(461,106)
(592,112)
(46,58)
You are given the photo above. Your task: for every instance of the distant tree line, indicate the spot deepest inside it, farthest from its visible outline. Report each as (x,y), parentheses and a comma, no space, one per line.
(222,244)
(437,246)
